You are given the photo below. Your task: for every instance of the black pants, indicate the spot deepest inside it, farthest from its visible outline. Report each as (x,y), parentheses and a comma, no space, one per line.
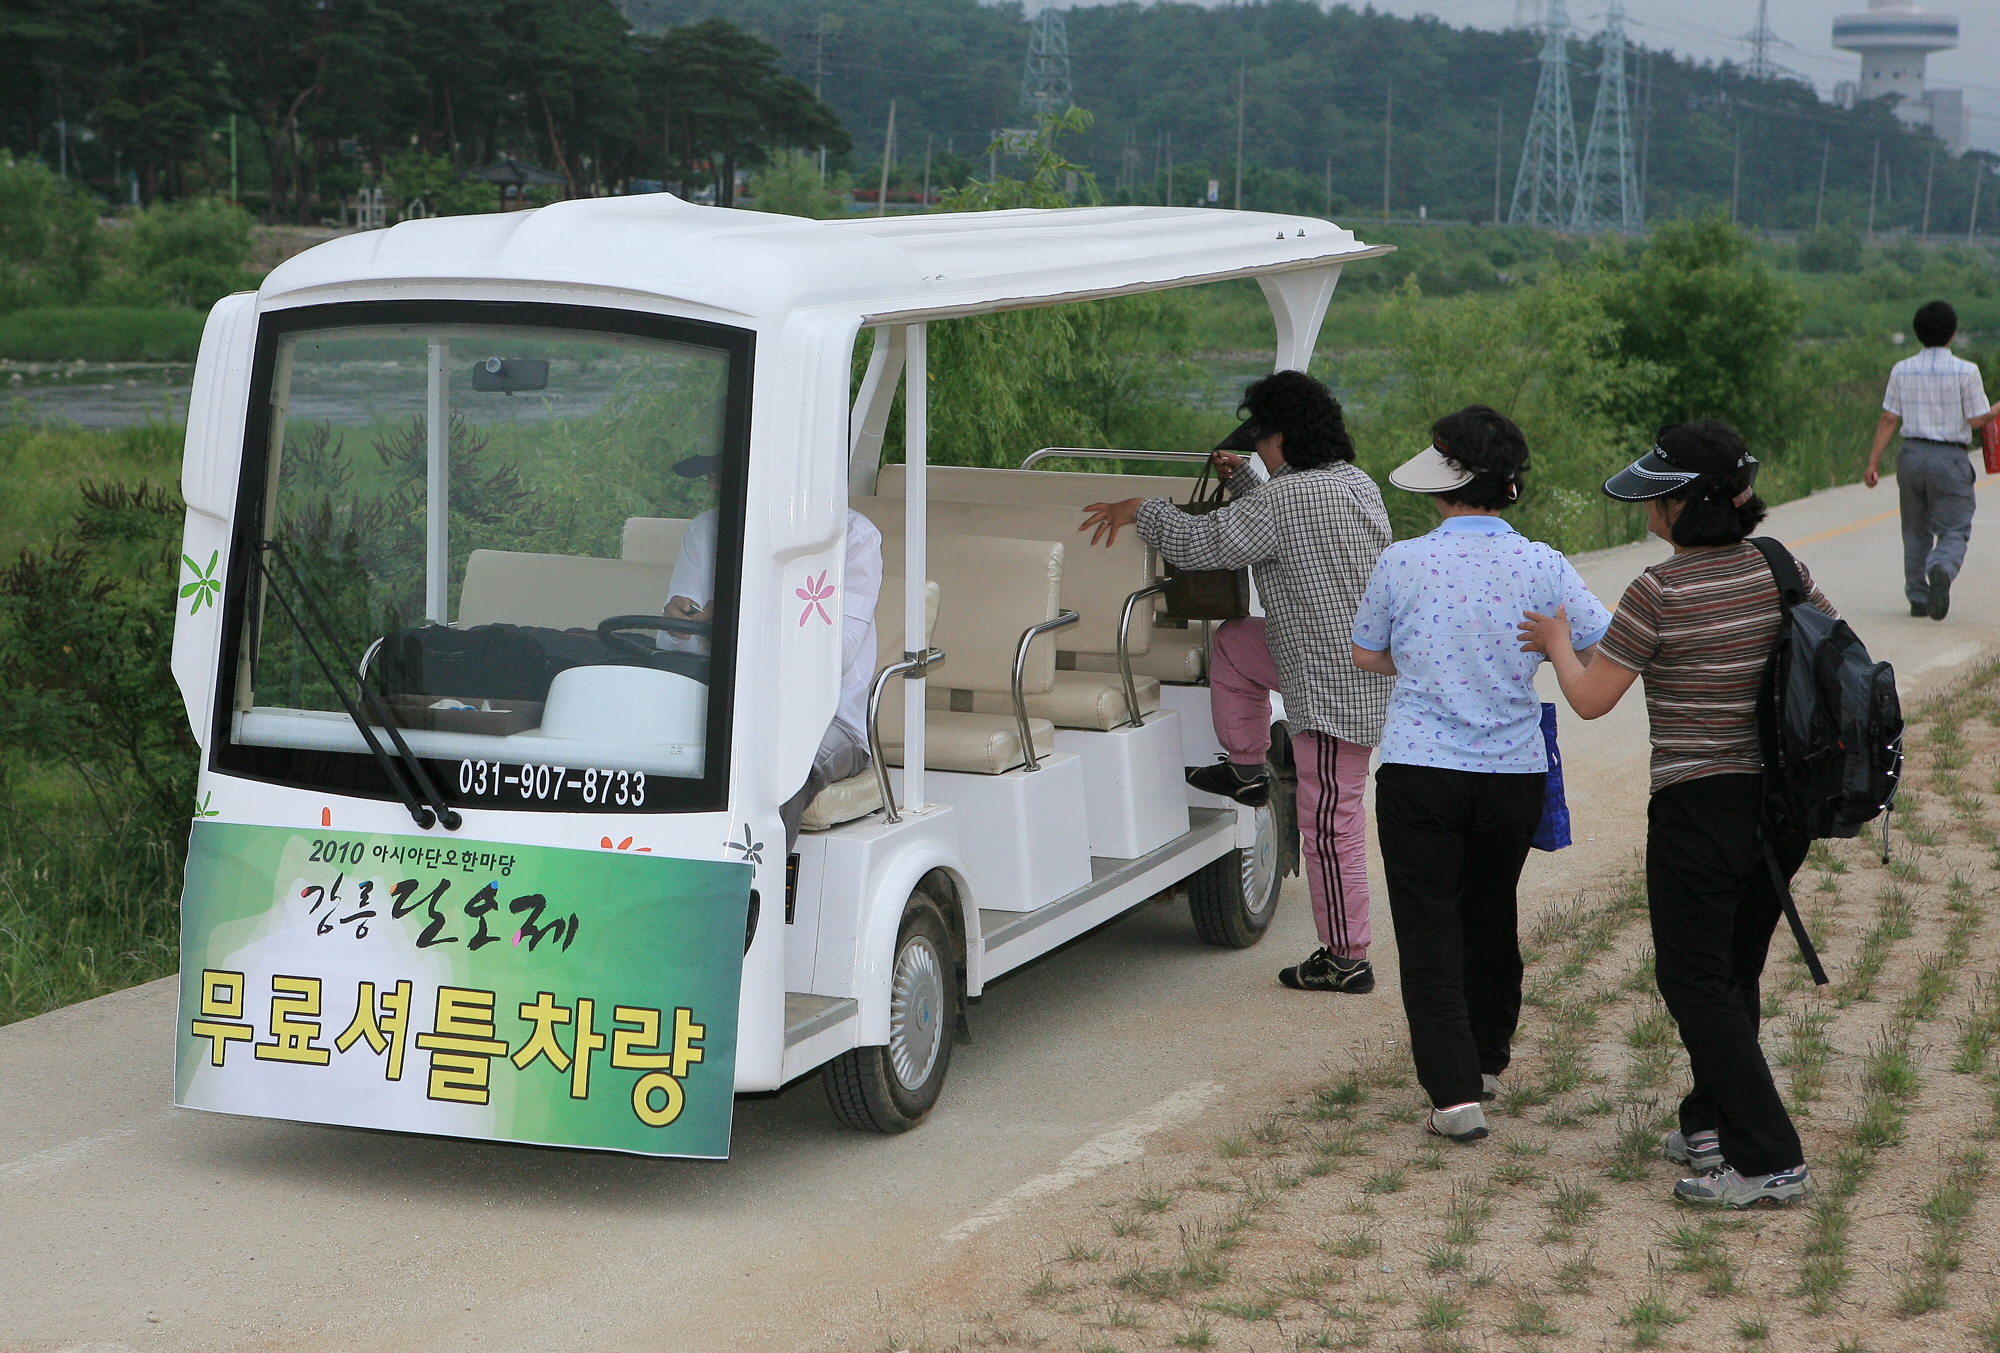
(1453,843)
(1713,910)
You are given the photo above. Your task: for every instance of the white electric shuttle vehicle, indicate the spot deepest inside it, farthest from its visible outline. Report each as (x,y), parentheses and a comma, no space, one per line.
(429,465)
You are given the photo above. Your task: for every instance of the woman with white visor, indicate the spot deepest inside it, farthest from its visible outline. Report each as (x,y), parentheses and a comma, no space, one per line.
(1699,627)
(1460,788)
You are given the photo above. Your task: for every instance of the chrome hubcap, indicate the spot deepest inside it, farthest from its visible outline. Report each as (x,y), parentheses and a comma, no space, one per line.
(916,1012)
(1260,866)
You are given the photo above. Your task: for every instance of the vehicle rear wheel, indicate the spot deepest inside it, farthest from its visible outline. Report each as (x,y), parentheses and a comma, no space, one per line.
(891,1087)
(1233,898)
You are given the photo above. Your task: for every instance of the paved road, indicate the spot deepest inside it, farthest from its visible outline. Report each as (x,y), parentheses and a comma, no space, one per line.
(127,1224)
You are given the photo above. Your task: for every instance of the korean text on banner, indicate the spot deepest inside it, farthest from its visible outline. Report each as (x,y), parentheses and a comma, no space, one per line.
(464,988)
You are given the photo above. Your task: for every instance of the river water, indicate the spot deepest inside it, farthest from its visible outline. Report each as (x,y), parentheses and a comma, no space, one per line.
(100,395)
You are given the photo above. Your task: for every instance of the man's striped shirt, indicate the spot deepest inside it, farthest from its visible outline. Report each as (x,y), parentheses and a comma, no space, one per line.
(1700,627)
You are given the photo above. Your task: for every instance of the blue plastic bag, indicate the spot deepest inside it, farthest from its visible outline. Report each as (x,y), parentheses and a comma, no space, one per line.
(1552,832)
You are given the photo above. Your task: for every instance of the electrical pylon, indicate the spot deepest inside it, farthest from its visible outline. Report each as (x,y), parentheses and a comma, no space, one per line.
(1545,188)
(1761,40)
(1607,194)
(1045,82)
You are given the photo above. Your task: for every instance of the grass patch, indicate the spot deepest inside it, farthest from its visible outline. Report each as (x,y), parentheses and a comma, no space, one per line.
(1650,1317)
(111,333)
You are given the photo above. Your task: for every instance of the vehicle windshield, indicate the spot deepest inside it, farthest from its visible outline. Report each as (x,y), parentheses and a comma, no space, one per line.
(522,536)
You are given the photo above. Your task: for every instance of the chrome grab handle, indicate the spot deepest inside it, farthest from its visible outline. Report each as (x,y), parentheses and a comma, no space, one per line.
(1028,636)
(1125,650)
(1107,453)
(921,664)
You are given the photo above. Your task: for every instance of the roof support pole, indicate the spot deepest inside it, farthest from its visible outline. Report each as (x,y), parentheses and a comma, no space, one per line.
(870,418)
(437,467)
(1298,303)
(916,559)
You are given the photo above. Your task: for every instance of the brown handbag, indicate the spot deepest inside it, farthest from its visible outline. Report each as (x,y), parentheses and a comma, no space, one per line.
(1207,593)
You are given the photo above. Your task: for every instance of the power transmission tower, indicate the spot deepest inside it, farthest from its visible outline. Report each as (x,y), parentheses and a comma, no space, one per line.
(1545,188)
(1761,40)
(1607,195)
(1045,83)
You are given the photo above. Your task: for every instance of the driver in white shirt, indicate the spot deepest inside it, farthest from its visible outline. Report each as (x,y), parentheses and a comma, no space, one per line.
(843,750)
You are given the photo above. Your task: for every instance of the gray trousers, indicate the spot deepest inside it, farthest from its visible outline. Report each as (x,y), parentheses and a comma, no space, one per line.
(1934,482)
(841,756)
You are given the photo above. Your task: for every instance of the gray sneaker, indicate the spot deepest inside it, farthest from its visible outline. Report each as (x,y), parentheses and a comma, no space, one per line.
(1489,1087)
(1701,1153)
(1730,1189)
(1466,1123)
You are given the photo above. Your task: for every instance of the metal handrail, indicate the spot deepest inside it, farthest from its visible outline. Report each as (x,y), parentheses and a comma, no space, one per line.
(921,664)
(1125,649)
(1104,453)
(1028,636)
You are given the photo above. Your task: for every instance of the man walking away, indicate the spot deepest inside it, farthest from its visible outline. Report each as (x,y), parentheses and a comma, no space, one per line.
(1940,403)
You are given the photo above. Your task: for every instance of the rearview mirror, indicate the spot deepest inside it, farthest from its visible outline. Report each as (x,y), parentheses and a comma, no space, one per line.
(506,375)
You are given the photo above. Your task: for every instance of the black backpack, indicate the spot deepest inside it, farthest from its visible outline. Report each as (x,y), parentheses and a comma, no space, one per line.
(1829,727)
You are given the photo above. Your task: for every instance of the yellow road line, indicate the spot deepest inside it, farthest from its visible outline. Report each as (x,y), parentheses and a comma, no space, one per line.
(1879,517)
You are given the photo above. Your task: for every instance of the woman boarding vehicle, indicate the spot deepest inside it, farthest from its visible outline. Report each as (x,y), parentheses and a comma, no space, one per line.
(488,841)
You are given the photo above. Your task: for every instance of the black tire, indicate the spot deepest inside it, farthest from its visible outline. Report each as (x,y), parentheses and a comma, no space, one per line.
(871,1089)
(1233,898)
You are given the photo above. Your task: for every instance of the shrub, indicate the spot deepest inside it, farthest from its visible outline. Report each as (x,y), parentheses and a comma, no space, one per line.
(431,179)
(791,186)
(1714,323)
(48,238)
(189,253)
(1830,249)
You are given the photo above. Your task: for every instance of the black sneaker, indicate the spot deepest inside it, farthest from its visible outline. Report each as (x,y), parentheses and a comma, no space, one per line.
(1920,609)
(1225,779)
(1323,972)
(1940,587)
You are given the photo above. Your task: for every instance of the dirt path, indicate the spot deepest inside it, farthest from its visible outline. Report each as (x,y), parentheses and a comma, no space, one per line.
(1323,1218)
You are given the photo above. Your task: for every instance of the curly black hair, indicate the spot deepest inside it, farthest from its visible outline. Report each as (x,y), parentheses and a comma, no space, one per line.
(1711,515)
(1490,445)
(1305,411)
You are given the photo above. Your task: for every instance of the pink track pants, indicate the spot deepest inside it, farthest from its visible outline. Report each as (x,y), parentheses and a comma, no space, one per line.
(1333,776)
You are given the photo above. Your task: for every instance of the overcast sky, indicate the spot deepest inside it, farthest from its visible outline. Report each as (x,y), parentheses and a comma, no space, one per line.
(1707,29)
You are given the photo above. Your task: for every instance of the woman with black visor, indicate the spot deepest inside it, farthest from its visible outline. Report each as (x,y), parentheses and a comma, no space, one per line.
(1699,627)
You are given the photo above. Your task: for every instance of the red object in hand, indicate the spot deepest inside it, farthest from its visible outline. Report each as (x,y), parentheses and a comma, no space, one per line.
(1992,434)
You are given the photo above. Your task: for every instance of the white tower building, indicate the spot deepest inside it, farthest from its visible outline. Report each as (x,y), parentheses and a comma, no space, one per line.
(1893,38)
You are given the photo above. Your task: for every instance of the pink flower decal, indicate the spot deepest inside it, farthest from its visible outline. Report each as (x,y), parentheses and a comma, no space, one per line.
(814,594)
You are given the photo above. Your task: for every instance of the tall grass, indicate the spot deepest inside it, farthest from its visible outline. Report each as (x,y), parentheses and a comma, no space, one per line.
(89,880)
(83,911)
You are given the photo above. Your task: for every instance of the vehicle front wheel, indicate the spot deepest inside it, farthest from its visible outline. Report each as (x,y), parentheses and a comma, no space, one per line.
(890,1088)
(1233,898)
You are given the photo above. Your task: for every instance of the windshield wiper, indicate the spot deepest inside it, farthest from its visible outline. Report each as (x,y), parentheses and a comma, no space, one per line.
(427,808)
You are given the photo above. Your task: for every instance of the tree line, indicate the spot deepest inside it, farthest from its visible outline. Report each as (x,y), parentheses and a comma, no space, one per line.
(1326,92)
(300,101)
(1345,111)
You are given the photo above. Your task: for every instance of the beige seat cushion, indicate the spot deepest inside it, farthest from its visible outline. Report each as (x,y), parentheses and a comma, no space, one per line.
(1078,700)
(655,540)
(979,744)
(842,801)
(558,591)
(1096,580)
(1174,656)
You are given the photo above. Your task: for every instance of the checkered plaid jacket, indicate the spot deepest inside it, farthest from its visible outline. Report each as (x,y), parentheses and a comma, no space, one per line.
(1311,538)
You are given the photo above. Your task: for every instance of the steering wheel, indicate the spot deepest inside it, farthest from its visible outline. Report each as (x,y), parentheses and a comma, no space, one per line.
(608,630)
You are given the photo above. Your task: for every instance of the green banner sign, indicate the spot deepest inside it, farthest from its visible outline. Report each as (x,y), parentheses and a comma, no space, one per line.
(462,988)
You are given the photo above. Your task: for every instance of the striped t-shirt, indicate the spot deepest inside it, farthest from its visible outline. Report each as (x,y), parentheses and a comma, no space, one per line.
(1699,627)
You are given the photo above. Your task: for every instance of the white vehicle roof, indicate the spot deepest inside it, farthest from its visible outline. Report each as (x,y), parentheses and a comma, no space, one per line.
(762,266)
